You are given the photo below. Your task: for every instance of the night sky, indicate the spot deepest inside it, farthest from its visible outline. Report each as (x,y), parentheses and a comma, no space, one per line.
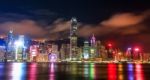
(124,23)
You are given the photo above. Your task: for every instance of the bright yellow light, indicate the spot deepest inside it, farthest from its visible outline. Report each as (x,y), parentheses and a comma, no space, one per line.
(92,50)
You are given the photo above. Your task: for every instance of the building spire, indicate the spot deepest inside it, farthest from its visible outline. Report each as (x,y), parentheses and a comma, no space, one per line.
(11,30)
(93,40)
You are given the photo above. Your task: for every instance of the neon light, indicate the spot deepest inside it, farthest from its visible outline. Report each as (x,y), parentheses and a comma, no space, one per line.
(130,72)
(112,71)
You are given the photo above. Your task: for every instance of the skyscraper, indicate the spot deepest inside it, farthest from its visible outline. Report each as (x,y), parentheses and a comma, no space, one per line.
(93,41)
(86,50)
(10,46)
(93,47)
(73,39)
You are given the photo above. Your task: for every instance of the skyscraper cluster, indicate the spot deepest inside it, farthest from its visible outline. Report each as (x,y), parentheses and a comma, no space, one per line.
(17,48)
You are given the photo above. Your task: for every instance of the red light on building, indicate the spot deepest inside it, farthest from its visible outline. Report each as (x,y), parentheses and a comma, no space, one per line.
(136,49)
(109,45)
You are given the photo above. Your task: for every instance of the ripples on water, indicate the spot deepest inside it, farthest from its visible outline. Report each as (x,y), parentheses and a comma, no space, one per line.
(73,71)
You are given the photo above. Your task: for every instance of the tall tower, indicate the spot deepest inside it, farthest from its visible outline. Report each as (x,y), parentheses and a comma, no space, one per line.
(86,50)
(10,46)
(93,47)
(93,41)
(73,39)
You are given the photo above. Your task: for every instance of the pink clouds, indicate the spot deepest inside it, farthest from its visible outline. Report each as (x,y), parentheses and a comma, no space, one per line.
(60,25)
(123,19)
(23,27)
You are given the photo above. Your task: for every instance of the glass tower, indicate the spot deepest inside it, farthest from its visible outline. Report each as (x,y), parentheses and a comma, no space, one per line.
(73,39)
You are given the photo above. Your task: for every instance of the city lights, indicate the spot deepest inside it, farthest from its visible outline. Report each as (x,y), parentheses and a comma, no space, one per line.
(129,48)
(92,50)
(109,45)
(19,43)
(52,57)
(136,49)
(74,40)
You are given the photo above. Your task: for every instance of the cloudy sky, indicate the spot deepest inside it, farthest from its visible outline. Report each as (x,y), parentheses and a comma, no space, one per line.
(123,22)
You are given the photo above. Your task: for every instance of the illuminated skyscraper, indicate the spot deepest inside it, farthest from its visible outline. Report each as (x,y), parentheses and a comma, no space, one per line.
(20,49)
(10,41)
(93,47)
(10,46)
(64,52)
(86,50)
(73,39)
(93,41)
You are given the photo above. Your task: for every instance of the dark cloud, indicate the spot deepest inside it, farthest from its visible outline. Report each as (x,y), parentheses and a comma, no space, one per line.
(122,23)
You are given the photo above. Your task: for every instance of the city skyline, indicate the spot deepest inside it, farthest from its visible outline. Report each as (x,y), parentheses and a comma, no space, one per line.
(124,23)
(74,40)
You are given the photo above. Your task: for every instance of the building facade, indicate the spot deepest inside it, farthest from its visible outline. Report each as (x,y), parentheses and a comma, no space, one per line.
(10,50)
(73,39)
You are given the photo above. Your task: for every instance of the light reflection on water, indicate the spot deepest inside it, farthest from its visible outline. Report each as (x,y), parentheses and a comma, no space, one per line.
(71,71)
(32,71)
(112,71)
(51,72)
(130,72)
(18,71)
(2,67)
(120,72)
(139,72)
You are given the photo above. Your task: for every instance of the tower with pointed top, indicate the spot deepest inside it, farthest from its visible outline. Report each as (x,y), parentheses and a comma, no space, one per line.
(73,39)
(93,41)
(93,47)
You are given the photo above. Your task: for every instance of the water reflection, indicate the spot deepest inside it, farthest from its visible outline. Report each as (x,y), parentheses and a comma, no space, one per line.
(86,70)
(120,72)
(130,72)
(51,72)
(32,71)
(112,72)
(2,67)
(139,72)
(92,71)
(71,71)
(18,71)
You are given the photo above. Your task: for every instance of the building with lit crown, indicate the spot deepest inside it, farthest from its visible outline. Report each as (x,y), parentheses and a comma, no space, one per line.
(93,47)
(86,50)
(73,39)
(10,47)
